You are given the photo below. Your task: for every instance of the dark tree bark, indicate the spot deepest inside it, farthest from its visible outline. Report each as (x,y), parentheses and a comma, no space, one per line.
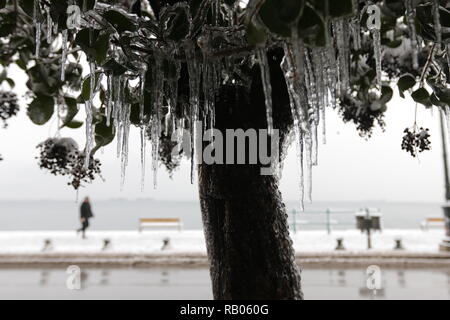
(245,221)
(249,248)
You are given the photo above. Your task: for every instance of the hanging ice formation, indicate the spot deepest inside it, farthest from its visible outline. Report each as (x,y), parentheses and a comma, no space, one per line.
(315,77)
(194,86)
(142,124)
(64,54)
(374,25)
(38,26)
(267,86)
(89,114)
(410,16)
(49,25)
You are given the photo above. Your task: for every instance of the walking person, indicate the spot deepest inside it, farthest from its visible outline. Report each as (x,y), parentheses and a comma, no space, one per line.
(85,215)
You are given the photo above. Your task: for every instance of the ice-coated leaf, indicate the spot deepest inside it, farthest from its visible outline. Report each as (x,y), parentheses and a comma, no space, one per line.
(72,110)
(406,82)
(120,21)
(41,109)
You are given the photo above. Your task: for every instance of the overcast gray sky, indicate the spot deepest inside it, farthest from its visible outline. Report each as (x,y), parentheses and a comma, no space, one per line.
(350,168)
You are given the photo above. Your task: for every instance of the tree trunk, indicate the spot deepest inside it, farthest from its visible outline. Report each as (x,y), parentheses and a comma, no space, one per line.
(245,221)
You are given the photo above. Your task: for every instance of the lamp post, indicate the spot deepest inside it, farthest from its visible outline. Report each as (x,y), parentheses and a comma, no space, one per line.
(445,244)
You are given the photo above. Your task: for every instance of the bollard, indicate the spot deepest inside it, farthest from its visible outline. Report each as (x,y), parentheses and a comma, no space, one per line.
(106,244)
(166,244)
(340,244)
(398,244)
(47,245)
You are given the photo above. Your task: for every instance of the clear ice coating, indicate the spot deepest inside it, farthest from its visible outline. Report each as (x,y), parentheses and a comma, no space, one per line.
(267,86)
(143,127)
(316,78)
(38,39)
(374,25)
(89,105)
(64,54)
(49,25)
(437,20)
(38,27)
(378,55)
(410,16)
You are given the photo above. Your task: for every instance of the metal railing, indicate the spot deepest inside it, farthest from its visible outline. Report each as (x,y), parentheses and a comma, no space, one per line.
(328,220)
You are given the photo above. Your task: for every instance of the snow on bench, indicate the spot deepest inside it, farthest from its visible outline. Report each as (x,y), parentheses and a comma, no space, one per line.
(147,223)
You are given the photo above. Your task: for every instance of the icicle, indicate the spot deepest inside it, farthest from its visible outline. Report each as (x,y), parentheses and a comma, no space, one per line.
(377,47)
(64,55)
(446,112)
(38,39)
(343,51)
(308,149)
(49,25)
(437,21)
(109,105)
(293,81)
(89,115)
(194,84)
(142,76)
(89,140)
(92,68)
(413,33)
(267,86)
(374,25)
(125,139)
(38,26)
(324,127)
(118,114)
(143,153)
(448,55)
(158,86)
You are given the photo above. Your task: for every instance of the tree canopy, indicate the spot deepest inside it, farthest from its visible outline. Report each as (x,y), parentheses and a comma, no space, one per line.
(159,65)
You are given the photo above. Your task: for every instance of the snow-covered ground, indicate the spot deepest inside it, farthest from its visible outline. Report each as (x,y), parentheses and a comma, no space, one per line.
(192,242)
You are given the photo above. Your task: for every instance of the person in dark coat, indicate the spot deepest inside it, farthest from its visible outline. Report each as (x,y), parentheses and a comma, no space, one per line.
(85,215)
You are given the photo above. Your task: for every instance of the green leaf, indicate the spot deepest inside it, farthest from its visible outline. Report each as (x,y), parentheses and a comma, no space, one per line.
(312,27)
(278,15)
(114,68)
(74,124)
(72,111)
(85,94)
(255,35)
(120,21)
(406,82)
(422,96)
(102,46)
(290,10)
(386,94)
(41,109)
(341,8)
(86,4)
(177,23)
(104,135)
(435,101)
(443,94)
(94,44)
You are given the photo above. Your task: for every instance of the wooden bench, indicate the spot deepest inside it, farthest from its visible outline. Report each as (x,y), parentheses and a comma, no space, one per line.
(147,223)
(431,222)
